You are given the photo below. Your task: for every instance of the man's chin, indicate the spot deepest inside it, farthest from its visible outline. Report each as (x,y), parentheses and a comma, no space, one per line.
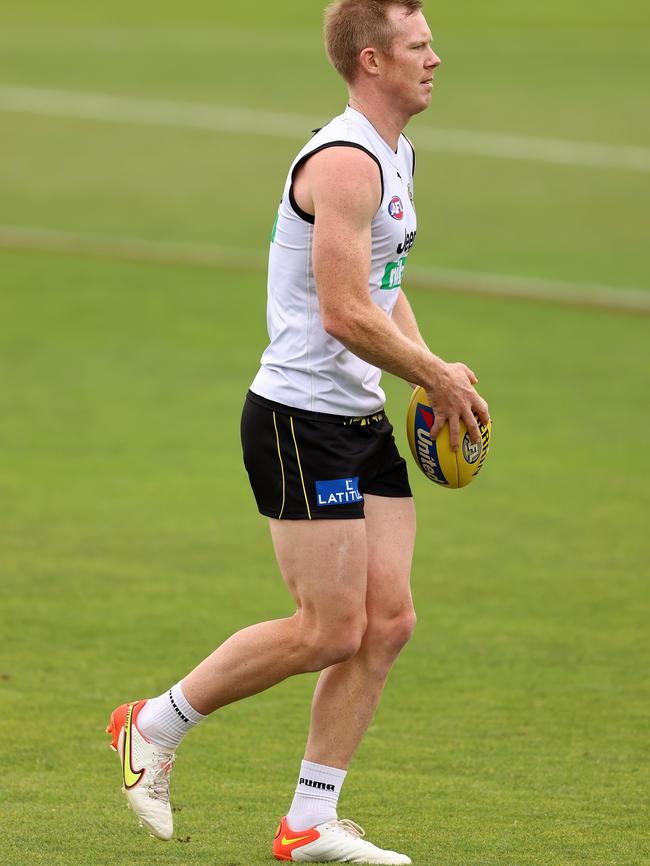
(422,105)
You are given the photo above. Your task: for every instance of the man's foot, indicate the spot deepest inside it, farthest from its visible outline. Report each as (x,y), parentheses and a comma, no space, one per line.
(145,771)
(338,841)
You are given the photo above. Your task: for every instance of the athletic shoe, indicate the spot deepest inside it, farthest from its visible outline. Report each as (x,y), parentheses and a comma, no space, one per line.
(338,841)
(145,771)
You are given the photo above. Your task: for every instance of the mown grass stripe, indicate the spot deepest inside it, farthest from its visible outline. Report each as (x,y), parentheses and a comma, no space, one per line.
(428,278)
(249,121)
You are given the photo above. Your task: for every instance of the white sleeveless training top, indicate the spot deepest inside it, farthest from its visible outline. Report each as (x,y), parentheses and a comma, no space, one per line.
(303,366)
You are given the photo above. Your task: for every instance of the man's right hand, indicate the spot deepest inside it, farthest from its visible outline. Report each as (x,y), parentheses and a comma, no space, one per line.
(453,398)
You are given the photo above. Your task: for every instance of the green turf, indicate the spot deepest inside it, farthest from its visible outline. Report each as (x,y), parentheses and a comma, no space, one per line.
(514,729)
(575,71)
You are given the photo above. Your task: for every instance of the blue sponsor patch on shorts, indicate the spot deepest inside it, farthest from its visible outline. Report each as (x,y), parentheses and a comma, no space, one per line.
(342,491)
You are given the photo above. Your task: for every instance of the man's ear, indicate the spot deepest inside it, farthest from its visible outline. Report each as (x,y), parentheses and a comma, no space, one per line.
(368,61)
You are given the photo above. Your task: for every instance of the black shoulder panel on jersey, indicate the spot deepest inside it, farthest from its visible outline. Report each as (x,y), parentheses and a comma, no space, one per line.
(294,204)
(413,149)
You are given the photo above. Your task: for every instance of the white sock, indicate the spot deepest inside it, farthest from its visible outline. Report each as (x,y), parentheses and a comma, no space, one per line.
(166,719)
(317,794)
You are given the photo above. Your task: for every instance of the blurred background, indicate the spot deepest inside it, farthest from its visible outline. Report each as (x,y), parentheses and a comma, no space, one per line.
(534,156)
(144,150)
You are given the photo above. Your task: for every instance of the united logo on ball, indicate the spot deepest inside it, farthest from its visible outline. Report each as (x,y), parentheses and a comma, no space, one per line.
(439,463)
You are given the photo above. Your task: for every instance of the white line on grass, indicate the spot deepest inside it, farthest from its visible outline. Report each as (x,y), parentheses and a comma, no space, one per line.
(121,109)
(130,249)
(63,39)
(430,278)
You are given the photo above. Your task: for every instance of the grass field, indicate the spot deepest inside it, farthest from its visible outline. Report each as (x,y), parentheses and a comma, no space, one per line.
(514,729)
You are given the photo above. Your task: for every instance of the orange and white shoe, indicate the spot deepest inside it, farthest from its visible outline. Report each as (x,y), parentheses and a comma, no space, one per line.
(145,771)
(337,841)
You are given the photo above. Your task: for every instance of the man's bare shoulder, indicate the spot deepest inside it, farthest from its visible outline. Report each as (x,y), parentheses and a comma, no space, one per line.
(343,176)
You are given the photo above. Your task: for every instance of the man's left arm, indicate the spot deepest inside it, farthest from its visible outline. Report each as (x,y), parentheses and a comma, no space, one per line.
(404,318)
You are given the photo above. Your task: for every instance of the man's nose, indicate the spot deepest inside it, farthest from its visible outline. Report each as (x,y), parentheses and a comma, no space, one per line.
(434,60)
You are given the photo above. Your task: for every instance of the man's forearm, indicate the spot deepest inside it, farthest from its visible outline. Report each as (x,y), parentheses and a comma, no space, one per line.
(379,340)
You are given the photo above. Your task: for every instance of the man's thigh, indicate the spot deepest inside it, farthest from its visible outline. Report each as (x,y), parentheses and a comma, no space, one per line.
(324,564)
(331,566)
(390,538)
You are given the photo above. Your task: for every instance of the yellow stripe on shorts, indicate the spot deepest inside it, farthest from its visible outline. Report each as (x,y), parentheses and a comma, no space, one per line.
(277,439)
(293,433)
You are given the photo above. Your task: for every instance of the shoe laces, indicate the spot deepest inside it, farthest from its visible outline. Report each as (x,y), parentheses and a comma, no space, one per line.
(351,827)
(159,784)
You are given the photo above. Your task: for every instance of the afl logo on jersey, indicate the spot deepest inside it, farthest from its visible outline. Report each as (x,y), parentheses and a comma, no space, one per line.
(396,208)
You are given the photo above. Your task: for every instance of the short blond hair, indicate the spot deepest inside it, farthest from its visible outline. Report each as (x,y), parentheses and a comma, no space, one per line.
(352,25)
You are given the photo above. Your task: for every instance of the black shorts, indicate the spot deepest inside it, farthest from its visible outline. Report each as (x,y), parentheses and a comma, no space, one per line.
(312,466)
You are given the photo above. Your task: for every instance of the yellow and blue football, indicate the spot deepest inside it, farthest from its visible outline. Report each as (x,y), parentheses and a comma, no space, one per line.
(436,459)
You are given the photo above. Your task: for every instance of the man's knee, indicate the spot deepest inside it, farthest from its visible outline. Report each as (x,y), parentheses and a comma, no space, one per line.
(331,643)
(389,633)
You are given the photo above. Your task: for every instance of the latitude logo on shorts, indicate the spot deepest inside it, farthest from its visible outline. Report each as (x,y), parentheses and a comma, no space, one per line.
(341,491)
(396,208)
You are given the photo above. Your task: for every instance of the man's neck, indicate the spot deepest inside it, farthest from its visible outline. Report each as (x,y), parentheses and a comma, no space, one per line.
(389,124)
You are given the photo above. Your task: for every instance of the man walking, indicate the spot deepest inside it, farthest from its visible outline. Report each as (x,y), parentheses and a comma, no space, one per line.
(318,446)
